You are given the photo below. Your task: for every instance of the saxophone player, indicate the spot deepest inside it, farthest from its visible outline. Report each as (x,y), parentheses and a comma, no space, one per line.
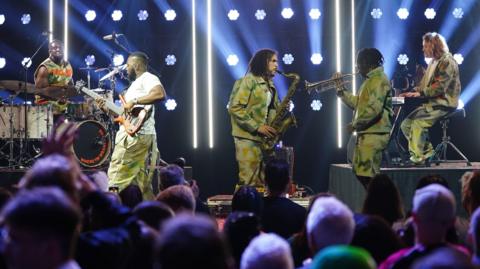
(252,107)
(372,113)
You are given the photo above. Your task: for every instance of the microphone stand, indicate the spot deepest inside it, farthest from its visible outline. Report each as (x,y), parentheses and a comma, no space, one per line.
(25,105)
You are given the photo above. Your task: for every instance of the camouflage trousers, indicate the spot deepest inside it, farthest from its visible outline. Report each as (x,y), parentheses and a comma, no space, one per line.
(250,166)
(132,162)
(367,155)
(415,129)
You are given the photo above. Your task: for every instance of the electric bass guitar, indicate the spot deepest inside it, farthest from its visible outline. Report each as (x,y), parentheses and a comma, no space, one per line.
(131,120)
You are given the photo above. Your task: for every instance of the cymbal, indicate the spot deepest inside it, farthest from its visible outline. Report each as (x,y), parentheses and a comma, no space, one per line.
(17,86)
(88,68)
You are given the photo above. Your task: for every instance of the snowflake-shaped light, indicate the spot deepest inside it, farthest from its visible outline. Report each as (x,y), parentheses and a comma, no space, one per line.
(118,59)
(260,14)
(287,13)
(316,58)
(26,18)
(170,104)
(458,58)
(430,13)
(376,13)
(233,14)
(142,15)
(170,15)
(288,58)
(402,59)
(90,15)
(170,59)
(3,62)
(403,13)
(291,106)
(232,59)
(2,19)
(117,15)
(428,60)
(315,13)
(316,105)
(457,13)
(90,60)
(26,62)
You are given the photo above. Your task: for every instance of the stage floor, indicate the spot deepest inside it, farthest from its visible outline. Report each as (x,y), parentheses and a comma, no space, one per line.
(343,183)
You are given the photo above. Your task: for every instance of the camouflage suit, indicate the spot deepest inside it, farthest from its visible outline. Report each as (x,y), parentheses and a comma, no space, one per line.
(442,90)
(371,120)
(252,104)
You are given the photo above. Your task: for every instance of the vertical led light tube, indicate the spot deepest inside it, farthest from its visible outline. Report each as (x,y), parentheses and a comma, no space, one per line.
(338,69)
(354,81)
(209,73)
(194,75)
(50,21)
(65,31)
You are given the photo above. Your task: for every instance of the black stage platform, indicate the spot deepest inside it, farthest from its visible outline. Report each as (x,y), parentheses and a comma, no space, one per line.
(344,185)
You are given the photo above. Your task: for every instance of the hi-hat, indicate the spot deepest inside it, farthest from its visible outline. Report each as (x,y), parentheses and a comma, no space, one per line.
(88,68)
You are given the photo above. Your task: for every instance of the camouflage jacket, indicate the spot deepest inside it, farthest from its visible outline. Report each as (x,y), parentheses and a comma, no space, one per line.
(248,106)
(373,104)
(443,88)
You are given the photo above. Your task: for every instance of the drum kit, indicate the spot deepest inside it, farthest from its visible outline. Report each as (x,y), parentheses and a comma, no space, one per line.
(24,125)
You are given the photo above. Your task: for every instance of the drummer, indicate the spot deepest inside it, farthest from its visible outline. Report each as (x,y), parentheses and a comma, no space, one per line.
(53,78)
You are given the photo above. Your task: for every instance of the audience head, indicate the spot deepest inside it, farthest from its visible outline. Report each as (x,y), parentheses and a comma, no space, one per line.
(267,251)
(41,227)
(277,176)
(131,196)
(153,213)
(179,198)
(247,199)
(191,242)
(343,257)
(239,229)
(5,196)
(442,258)
(171,175)
(383,199)
(431,179)
(330,222)
(474,231)
(471,191)
(433,213)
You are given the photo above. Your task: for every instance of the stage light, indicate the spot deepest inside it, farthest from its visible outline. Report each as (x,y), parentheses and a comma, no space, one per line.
(26,62)
(460,105)
(402,59)
(3,62)
(26,18)
(210,76)
(118,59)
(316,105)
(50,20)
(90,15)
(403,13)
(65,30)
(430,13)
(376,13)
(287,13)
(142,15)
(90,60)
(316,58)
(170,59)
(2,19)
(117,15)
(260,14)
(458,13)
(458,58)
(170,104)
(291,106)
(170,15)
(232,59)
(314,13)
(288,58)
(233,14)
(194,77)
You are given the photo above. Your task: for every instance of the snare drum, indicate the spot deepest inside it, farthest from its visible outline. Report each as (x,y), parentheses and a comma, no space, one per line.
(92,144)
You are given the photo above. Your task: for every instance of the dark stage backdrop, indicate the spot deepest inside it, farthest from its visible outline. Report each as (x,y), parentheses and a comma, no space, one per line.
(315,138)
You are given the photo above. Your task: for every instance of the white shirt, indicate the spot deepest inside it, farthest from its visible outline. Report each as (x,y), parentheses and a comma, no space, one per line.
(141,87)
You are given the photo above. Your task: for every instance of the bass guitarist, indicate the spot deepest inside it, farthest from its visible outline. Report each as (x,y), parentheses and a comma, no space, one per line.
(128,164)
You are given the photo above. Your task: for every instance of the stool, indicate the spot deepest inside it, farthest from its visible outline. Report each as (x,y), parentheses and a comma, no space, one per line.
(440,155)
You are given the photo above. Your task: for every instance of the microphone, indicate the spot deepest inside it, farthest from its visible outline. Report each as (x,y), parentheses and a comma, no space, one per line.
(115,71)
(112,36)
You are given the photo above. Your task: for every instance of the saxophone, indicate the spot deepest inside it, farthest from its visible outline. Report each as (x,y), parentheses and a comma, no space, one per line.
(283,119)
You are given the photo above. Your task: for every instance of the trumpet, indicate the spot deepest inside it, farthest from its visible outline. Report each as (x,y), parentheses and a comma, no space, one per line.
(328,84)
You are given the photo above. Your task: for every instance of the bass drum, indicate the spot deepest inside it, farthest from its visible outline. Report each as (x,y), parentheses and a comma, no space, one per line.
(92,144)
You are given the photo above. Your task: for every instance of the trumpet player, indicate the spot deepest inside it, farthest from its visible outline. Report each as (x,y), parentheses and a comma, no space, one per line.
(252,107)
(372,113)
